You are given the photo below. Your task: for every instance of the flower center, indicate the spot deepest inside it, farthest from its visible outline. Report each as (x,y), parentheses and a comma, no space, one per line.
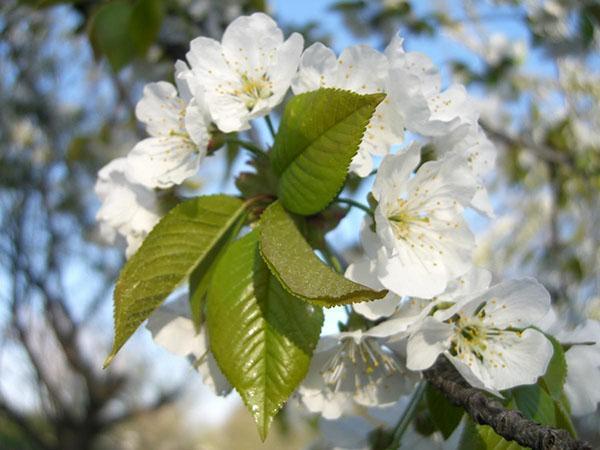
(255,89)
(472,340)
(402,220)
(356,365)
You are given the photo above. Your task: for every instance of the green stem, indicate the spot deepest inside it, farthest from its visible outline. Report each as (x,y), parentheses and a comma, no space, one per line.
(331,258)
(407,417)
(354,203)
(270,125)
(247,145)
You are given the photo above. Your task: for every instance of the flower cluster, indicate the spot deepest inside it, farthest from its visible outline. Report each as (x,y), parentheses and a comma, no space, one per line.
(417,243)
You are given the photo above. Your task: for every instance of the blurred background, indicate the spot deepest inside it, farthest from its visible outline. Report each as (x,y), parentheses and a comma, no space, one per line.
(70,75)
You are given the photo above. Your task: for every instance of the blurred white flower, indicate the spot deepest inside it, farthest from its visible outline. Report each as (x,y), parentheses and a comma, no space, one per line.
(421,240)
(355,368)
(172,328)
(128,209)
(486,338)
(178,126)
(470,141)
(414,89)
(246,74)
(583,361)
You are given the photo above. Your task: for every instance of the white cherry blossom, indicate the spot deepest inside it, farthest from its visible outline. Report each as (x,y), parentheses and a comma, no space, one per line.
(583,360)
(127,209)
(355,368)
(408,311)
(178,129)
(172,328)
(486,338)
(414,90)
(246,74)
(470,141)
(421,240)
(363,70)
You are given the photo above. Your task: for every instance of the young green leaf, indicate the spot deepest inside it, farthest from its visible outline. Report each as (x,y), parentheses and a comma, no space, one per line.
(109,29)
(144,25)
(444,414)
(201,276)
(556,374)
(177,244)
(261,336)
(563,418)
(483,437)
(319,135)
(296,266)
(535,404)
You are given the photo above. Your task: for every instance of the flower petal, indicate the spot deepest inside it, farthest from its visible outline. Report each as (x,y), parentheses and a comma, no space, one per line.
(426,343)
(164,162)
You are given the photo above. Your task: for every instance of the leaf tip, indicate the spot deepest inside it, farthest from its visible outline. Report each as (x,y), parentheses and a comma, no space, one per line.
(377,98)
(108,360)
(263,427)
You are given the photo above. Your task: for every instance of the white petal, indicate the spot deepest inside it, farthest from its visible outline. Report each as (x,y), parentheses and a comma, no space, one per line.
(395,170)
(209,369)
(471,283)
(284,67)
(127,207)
(196,125)
(361,69)
(377,309)
(426,343)
(161,109)
(408,314)
(513,303)
(173,329)
(394,50)
(183,79)
(317,66)
(581,386)
(362,163)
(164,162)
(252,40)
(362,272)
(514,360)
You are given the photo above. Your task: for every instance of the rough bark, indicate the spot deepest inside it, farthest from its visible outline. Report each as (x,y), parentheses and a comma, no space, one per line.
(485,410)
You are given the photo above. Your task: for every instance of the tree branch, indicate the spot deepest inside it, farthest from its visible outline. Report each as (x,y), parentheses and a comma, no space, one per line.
(509,424)
(542,151)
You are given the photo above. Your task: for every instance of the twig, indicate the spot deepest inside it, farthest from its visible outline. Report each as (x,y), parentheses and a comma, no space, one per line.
(510,424)
(544,152)
(351,202)
(407,417)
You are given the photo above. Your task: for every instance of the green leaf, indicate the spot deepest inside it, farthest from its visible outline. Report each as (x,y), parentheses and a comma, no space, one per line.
(144,25)
(121,30)
(556,374)
(535,403)
(483,437)
(319,135)
(177,244)
(109,33)
(201,276)
(261,336)
(563,419)
(444,414)
(296,266)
